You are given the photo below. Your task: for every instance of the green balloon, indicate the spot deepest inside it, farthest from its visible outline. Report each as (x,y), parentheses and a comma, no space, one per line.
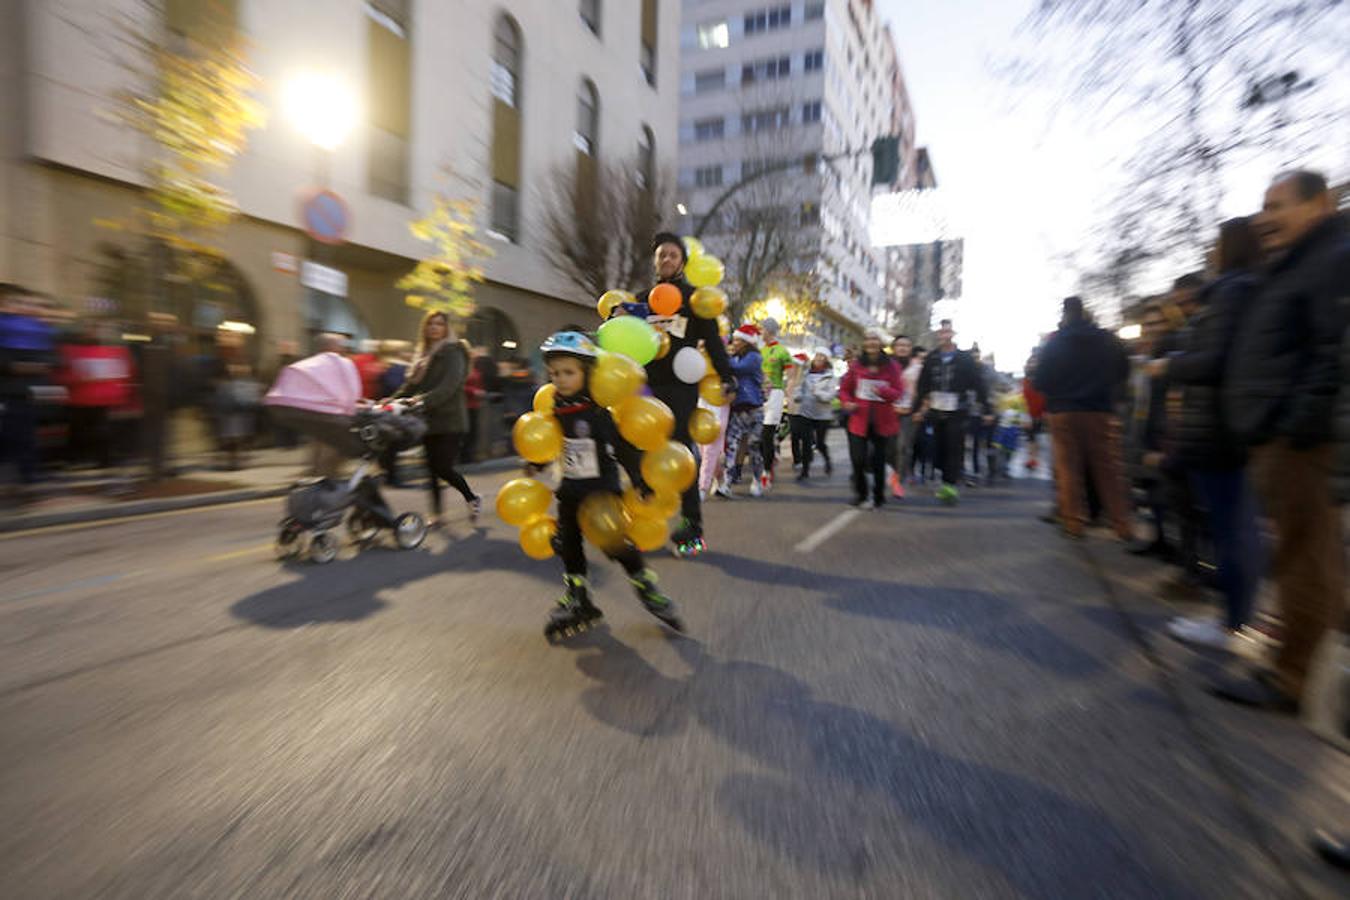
(630,336)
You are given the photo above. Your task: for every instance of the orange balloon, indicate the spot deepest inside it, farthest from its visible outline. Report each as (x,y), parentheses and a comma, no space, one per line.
(665,299)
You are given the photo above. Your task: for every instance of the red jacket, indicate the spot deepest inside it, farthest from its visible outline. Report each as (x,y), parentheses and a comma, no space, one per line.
(1035,399)
(878,414)
(473,388)
(97,375)
(370,367)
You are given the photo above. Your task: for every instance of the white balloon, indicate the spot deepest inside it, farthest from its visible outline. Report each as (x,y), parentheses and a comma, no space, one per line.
(689,366)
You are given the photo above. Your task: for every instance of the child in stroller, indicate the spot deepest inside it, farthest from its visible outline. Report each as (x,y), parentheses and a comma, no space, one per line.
(316,397)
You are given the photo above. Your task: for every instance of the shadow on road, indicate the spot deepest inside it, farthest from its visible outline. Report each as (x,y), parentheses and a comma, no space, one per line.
(347,590)
(843,774)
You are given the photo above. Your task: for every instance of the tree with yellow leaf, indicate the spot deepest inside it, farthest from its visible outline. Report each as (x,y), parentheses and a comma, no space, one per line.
(192,99)
(445,279)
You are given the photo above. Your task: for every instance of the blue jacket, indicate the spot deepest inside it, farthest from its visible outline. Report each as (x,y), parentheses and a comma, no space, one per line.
(748,369)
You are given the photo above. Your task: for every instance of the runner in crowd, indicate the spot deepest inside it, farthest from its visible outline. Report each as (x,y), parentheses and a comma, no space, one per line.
(815,411)
(949,380)
(868,394)
(778,364)
(747,409)
(684,330)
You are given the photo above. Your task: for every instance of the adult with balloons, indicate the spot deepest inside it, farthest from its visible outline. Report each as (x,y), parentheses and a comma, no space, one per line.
(583,433)
(685,310)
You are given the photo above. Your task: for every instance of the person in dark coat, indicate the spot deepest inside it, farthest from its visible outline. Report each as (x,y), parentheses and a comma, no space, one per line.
(436,378)
(950,381)
(1214,462)
(1082,372)
(684,330)
(1279,398)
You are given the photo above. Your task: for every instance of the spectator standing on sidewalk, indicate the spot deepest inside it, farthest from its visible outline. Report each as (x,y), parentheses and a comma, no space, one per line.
(158,379)
(1280,393)
(1082,371)
(27,354)
(1214,462)
(97,372)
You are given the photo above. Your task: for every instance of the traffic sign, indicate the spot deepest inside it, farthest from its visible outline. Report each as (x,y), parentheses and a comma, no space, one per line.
(326,217)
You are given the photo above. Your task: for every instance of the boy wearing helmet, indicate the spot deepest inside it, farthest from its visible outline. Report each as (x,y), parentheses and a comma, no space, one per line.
(593,451)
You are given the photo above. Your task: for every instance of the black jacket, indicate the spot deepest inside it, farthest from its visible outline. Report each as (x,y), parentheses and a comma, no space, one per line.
(1082,368)
(1284,372)
(960,375)
(591,435)
(1342,480)
(685,330)
(441,389)
(1201,436)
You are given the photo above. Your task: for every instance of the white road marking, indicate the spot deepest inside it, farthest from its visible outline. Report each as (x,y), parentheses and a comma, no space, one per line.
(827,531)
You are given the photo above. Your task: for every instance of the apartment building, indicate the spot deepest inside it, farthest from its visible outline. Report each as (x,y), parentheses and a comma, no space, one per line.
(497,94)
(805,87)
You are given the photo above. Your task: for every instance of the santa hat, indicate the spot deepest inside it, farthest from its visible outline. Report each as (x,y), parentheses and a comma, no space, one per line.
(801,357)
(748,333)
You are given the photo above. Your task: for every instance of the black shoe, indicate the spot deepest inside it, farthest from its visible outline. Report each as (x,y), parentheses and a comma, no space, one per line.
(1049,518)
(1147,548)
(802,476)
(1333,849)
(829,467)
(1256,689)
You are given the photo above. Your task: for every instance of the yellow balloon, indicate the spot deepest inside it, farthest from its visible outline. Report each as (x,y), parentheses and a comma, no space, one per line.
(665,346)
(648,534)
(653,506)
(522,499)
(704,271)
(536,537)
(603,521)
(703,426)
(670,468)
(610,299)
(615,378)
(708,302)
(544,398)
(710,389)
(723,326)
(537,437)
(644,422)
(693,246)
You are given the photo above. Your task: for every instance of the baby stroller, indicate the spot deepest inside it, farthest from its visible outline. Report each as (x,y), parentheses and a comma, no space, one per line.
(318,397)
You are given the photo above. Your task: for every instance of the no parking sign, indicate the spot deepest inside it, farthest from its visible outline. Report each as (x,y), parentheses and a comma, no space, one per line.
(326,217)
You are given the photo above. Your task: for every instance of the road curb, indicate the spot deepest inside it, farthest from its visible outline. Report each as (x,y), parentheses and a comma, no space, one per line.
(193,501)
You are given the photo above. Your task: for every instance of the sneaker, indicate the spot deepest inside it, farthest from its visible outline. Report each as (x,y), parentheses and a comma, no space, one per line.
(897,489)
(1203,632)
(766,481)
(867,504)
(723,491)
(475,509)
(756,490)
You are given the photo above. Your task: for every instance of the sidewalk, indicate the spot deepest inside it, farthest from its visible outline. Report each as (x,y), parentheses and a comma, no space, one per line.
(92,495)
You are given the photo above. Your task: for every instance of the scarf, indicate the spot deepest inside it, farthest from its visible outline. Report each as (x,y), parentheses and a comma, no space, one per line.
(423,358)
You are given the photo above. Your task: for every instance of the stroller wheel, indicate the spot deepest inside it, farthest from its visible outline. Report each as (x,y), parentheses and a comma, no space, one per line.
(323,547)
(410,530)
(288,539)
(362,527)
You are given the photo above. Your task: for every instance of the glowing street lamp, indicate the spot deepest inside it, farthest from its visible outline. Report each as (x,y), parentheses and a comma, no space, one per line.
(322,107)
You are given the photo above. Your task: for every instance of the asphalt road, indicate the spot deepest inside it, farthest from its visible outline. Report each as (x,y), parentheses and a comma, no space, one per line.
(931,703)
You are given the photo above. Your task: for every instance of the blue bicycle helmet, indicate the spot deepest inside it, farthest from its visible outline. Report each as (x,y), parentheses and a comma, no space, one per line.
(570,343)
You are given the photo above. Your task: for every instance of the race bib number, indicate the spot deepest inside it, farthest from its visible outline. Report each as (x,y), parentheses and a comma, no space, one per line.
(672,325)
(870,388)
(581,458)
(945,401)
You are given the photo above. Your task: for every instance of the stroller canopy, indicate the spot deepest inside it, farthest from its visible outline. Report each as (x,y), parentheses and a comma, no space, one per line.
(325,383)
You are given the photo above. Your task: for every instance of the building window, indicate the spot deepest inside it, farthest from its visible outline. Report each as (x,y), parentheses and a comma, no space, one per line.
(714,35)
(814,11)
(647,52)
(710,80)
(770,69)
(587,134)
(814,60)
(506,128)
(765,120)
(590,14)
(768,19)
(810,215)
(709,129)
(646,170)
(708,176)
(389,98)
(811,113)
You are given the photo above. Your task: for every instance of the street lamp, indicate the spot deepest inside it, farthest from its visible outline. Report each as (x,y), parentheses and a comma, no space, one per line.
(322,106)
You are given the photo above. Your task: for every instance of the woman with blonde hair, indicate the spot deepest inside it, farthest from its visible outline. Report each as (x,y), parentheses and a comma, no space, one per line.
(436,379)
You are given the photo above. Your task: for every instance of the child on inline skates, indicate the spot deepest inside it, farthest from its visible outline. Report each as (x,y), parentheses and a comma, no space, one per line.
(589,466)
